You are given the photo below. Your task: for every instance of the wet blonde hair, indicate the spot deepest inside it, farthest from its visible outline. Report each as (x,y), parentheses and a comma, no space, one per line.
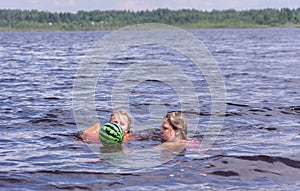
(125,113)
(178,122)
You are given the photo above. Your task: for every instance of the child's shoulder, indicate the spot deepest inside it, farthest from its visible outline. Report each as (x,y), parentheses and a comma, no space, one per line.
(172,145)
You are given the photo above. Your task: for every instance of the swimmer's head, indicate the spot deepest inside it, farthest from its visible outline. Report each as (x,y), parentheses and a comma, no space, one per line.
(122,118)
(174,127)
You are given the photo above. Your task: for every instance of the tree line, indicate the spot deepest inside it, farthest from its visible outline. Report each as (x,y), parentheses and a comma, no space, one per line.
(22,20)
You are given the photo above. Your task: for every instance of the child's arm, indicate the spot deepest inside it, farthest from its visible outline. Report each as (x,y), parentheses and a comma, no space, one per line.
(92,133)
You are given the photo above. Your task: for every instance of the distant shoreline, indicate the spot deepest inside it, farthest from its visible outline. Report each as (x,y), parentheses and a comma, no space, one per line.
(4,30)
(41,21)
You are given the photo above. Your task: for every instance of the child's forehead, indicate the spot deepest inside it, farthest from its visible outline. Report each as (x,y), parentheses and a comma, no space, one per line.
(165,122)
(120,116)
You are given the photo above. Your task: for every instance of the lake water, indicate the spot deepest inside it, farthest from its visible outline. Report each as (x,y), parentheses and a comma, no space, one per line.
(258,147)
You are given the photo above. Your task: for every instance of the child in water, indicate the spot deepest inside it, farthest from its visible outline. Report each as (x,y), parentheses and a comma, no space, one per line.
(120,117)
(174,132)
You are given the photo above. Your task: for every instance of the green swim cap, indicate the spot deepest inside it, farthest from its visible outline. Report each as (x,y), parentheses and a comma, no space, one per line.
(111,134)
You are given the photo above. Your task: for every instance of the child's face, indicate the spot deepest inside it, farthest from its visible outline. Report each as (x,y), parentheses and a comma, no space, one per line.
(167,132)
(121,120)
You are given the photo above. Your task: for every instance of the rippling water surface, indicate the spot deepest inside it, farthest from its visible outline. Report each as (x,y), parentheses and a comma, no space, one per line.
(257,148)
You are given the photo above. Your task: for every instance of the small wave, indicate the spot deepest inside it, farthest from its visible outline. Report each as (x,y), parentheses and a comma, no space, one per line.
(51,98)
(17,179)
(78,172)
(237,104)
(292,110)
(42,120)
(225,173)
(270,168)
(272,159)
(229,114)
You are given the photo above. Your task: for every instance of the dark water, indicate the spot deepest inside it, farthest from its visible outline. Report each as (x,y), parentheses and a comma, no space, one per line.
(257,148)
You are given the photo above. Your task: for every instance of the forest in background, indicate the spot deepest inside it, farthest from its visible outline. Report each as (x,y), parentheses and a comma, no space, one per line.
(34,20)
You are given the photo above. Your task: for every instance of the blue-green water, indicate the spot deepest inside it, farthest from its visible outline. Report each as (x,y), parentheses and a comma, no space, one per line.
(257,148)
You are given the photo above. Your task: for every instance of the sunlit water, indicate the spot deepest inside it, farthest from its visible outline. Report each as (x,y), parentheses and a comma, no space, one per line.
(257,148)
